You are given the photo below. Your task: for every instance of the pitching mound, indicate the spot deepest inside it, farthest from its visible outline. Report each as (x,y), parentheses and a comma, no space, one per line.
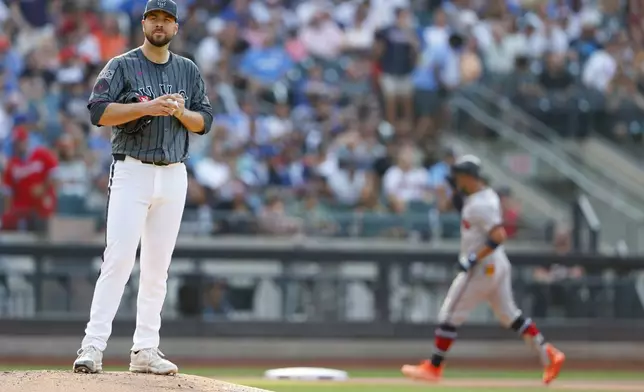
(60,381)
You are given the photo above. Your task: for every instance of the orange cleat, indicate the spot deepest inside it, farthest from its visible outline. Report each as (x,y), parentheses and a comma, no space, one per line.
(425,372)
(557,359)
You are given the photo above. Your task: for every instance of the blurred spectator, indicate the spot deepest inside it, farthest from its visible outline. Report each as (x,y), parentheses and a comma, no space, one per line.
(238,12)
(278,125)
(11,64)
(317,217)
(545,35)
(451,70)
(197,197)
(427,83)
(319,98)
(510,211)
(321,36)
(436,35)
(288,169)
(406,181)
(110,38)
(557,86)
(216,303)
(359,35)
(294,47)
(501,54)
(558,286)
(470,65)
(626,102)
(439,171)
(30,196)
(214,172)
(357,86)
(586,41)
(265,64)
(243,127)
(274,220)
(209,50)
(351,185)
(601,67)
(555,77)
(396,49)
(72,178)
(317,87)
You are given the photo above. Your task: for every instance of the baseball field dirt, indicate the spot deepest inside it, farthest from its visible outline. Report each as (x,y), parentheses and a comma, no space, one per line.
(66,381)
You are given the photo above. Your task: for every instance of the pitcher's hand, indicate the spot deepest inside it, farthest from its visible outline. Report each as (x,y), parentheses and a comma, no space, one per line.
(181,105)
(164,105)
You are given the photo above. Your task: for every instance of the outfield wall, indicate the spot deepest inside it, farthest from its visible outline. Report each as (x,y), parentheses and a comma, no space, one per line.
(47,348)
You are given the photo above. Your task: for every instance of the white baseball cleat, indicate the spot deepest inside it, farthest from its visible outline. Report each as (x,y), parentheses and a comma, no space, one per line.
(90,360)
(151,360)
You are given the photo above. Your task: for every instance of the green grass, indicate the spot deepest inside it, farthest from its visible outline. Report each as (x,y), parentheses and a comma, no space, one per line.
(285,386)
(373,388)
(348,388)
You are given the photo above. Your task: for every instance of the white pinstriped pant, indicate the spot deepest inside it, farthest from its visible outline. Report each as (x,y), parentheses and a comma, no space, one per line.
(145,203)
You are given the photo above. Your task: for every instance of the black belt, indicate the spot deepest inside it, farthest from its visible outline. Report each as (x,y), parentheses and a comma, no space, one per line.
(121,157)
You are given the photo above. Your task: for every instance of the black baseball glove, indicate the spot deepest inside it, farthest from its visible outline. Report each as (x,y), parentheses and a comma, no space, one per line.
(137,125)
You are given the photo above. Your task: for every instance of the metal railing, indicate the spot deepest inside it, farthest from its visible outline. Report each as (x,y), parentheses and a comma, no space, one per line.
(332,290)
(539,132)
(621,220)
(586,226)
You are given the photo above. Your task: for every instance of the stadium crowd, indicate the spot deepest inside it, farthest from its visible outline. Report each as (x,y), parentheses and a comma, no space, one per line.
(328,113)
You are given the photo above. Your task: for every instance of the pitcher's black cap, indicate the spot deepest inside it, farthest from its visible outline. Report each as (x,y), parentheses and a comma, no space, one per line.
(167,6)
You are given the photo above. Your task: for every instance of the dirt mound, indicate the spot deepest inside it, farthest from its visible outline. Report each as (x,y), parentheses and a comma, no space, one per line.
(60,381)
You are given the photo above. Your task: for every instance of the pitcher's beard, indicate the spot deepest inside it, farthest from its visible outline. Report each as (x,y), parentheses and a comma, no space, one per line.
(159,43)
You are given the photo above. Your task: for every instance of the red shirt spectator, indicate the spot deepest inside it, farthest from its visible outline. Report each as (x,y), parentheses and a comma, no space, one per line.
(511,212)
(27,179)
(511,221)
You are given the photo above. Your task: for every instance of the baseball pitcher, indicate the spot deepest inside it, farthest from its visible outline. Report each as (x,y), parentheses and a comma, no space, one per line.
(485,277)
(152,99)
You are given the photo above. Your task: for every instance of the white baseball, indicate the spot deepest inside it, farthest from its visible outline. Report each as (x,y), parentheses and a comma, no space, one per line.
(173,102)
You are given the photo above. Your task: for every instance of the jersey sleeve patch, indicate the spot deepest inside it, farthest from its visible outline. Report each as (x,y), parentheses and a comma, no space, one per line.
(102,86)
(106,74)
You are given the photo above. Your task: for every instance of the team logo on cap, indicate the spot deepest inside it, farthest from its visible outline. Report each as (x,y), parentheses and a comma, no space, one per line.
(161,3)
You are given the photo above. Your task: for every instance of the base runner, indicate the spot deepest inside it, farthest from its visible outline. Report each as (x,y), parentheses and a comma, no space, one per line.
(485,277)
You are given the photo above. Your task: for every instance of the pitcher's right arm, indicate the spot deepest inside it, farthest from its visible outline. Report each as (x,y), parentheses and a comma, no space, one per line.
(110,83)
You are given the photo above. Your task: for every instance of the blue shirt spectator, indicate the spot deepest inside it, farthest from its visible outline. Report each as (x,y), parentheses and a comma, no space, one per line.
(425,74)
(585,47)
(266,65)
(128,6)
(439,172)
(11,64)
(237,12)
